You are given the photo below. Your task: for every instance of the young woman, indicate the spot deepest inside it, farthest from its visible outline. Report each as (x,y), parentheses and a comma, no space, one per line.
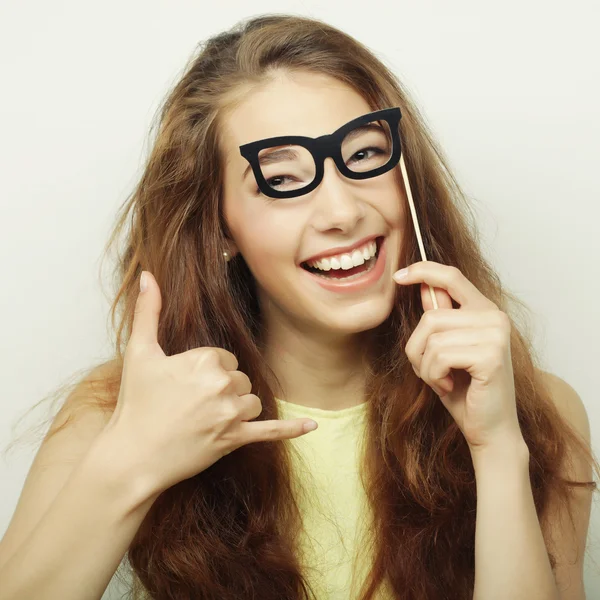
(305,253)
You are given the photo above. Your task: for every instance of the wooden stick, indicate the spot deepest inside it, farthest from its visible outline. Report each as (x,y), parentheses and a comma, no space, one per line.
(413,212)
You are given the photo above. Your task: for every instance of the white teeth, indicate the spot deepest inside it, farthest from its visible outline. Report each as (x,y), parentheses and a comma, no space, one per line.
(346,261)
(358,258)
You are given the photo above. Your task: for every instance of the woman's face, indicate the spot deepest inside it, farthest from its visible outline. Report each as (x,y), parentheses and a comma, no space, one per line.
(276,235)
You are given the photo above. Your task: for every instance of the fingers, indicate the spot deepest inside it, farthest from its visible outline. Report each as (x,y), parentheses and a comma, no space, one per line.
(147,312)
(241,384)
(276,429)
(447,280)
(212,355)
(442,297)
(228,360)
(248,406)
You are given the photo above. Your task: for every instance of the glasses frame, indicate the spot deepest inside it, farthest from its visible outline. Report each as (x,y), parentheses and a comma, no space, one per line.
(323,147)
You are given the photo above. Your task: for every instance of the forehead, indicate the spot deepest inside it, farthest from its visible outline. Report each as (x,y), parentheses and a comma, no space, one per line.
(292,104)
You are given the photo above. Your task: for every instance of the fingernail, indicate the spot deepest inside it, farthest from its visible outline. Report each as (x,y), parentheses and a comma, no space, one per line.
(310,425)
(399,274)
(143,283)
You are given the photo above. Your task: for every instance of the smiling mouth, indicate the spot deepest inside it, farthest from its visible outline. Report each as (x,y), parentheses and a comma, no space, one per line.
(343,274)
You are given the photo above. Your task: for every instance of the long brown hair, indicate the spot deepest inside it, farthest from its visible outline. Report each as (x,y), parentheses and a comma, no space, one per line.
(229,532)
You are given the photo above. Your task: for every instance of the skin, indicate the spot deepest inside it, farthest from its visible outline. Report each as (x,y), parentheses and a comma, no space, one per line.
(312,336)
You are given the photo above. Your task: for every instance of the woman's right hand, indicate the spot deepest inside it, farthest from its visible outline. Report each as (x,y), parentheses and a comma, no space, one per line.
(182,413)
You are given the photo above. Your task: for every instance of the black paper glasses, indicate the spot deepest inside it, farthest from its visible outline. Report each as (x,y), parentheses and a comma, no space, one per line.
(292,165)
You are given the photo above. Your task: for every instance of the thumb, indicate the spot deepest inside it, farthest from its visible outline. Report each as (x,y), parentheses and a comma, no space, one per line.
(147,311)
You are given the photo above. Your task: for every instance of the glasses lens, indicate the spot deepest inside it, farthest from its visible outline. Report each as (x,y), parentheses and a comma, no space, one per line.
(287,168)
(364,148)
(368,146)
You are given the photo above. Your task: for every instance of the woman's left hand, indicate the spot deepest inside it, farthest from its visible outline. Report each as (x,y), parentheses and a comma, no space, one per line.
(464,355)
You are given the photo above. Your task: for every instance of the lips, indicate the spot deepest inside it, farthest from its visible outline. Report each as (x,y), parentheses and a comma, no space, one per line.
(342,249)
(358,285)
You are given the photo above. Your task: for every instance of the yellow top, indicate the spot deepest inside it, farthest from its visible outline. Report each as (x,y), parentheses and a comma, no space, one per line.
(334,504)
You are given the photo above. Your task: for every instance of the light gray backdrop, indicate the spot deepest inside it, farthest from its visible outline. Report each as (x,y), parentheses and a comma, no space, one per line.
(510,89)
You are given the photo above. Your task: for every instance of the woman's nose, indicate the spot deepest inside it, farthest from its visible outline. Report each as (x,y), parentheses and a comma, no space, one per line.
(336,197)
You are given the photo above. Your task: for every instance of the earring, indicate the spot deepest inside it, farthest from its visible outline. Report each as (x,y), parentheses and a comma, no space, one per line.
(226,255)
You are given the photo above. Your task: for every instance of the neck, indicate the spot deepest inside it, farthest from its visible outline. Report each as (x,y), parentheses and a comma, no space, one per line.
(318,370)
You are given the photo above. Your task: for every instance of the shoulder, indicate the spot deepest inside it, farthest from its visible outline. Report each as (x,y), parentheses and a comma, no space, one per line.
(568,533)
(568,403)
(92,399)
(83,415)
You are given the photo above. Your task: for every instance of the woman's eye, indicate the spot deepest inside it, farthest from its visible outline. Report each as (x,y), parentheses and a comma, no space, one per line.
(275,179)
(365,150)
(275,182)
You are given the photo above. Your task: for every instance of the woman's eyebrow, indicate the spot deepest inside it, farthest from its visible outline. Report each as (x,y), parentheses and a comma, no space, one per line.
(272,156)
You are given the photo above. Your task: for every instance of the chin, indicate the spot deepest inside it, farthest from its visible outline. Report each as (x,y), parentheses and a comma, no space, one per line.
(355,319)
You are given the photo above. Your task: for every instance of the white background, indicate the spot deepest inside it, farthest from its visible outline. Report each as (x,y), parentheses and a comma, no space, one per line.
(510,89)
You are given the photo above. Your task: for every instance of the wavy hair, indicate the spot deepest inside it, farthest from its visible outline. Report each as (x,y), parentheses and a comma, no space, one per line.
(230,531)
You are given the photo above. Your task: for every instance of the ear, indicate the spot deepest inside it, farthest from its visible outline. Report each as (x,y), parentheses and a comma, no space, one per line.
(231,247)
